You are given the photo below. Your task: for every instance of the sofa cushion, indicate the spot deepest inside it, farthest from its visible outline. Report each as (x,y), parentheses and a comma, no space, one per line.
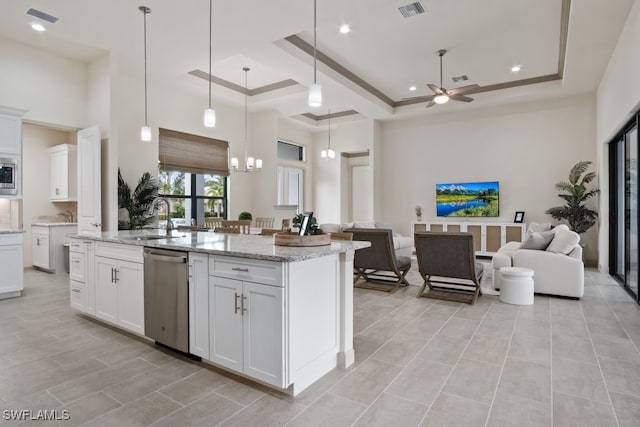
(364,225)
(330,228)
(538,240)
(564,242)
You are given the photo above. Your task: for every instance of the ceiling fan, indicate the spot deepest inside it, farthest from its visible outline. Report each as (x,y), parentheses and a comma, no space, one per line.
(442,95)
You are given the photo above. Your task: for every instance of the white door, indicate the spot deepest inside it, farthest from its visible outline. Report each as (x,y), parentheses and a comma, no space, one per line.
(263,333)
(361,196)
(225,322)
(106,290)
(129,278)
(89,179)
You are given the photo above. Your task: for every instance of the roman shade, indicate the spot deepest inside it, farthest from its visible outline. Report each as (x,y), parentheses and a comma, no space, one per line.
(185,152)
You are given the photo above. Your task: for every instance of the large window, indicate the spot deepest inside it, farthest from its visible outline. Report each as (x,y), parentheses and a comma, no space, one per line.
(193,197)
(624,213)
(193,177)
(290,175)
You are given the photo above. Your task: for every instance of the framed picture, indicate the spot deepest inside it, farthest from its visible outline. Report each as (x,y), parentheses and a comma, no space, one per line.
(519,218)
(305,223)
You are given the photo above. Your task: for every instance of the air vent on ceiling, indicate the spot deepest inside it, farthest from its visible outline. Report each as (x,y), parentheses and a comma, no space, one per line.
(462,78)
(42,15)
(412,9)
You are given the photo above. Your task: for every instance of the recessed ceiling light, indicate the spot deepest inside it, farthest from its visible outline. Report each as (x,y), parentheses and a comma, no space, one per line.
(344,28)
(37,27)
(516,68)
(413,88)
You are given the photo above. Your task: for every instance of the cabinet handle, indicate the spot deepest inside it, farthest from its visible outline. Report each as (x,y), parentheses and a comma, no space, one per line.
(236,308)
(75,260)
(57,191)
(116,271)
(112,274)
(242,304)
(75,246)
(37,241)
(95,224)
(75,290)
(244,270)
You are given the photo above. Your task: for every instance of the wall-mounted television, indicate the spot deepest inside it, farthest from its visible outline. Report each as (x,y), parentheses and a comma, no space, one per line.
(468,199)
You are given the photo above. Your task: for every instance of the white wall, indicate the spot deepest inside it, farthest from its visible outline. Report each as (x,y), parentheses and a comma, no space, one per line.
(618,98)
(36,141)
(52,88)
(526,147)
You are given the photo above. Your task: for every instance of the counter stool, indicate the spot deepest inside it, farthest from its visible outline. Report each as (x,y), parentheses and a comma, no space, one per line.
(516,285)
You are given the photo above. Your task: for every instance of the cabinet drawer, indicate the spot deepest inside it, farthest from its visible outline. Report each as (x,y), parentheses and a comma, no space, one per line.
(251,270)
(76,290)
(10,239)
(77,266)
(40,231)
(119,251)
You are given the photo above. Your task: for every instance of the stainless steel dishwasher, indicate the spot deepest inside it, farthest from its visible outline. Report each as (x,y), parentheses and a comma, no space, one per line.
(166,298)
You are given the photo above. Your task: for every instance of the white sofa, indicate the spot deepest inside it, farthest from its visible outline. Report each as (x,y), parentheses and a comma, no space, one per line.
(403,245)
(555,273)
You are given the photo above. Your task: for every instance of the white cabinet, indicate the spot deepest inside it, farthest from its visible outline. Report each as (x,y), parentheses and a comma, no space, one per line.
(81,275)
(11,131)
(63,173)
(247,328)
(246,315)
(47,252)
(11,265)
(488,237)
(199,304)
(119,286)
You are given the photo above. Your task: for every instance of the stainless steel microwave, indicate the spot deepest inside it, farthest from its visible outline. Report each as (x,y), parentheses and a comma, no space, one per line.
(9,176)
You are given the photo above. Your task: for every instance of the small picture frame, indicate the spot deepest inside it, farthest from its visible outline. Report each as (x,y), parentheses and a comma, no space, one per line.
(305,223)
(519,218)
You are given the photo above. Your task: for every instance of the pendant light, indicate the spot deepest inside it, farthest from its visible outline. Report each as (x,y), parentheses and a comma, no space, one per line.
(315,90)
(145,131)
(328,153)
(210,113)
(250,164)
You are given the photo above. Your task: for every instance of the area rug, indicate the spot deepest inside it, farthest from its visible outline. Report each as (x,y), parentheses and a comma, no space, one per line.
(486,283)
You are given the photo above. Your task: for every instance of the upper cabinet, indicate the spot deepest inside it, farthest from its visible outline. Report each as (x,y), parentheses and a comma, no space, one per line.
(10,131)
(63,173)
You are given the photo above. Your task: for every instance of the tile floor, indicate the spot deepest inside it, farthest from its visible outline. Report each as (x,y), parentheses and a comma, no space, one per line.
(419,362)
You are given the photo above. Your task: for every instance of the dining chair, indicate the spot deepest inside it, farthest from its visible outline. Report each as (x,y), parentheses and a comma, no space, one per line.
(263,222)
(227,230)
(244,226)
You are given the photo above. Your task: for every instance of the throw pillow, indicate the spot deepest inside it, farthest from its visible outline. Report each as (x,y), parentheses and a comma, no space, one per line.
(539,228)
(538,241)
(564,242)
(561,227)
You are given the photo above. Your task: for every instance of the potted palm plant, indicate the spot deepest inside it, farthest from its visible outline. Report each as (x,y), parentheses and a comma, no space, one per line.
(576,194)
(137,202)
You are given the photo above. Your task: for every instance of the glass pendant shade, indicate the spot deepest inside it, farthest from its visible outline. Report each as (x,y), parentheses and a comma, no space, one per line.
(234,163)
(315,95)
(210,118)
(258,163)
(331,153)
(441,99)
(145,133)
(323,153)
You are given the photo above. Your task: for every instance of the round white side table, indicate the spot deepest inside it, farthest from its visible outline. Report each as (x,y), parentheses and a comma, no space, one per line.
(516,285)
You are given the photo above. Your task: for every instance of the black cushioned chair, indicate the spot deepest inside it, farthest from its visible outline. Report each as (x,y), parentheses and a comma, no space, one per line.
(378,264)
(448,266)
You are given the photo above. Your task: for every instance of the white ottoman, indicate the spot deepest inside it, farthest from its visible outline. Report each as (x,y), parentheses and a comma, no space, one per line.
(516,285)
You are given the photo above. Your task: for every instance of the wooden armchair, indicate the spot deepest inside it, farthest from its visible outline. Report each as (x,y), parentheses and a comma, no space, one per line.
(212,223)
(378,264)
(244,226)
(448,266)
(286,224)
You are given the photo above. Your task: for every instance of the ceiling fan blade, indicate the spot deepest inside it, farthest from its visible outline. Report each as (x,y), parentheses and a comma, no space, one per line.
(434,88)
(430,104)
(462,90)
(460,98)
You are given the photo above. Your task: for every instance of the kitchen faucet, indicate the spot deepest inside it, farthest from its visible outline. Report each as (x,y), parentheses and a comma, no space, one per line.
(153,206)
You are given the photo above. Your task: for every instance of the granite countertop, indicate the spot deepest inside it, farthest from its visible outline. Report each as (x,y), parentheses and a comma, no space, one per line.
(238,245)
(11,230)
(53,224)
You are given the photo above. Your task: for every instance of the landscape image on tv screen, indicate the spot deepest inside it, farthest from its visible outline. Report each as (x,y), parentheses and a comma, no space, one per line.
(468,199)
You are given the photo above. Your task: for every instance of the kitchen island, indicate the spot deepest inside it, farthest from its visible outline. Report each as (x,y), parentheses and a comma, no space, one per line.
(280,315)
